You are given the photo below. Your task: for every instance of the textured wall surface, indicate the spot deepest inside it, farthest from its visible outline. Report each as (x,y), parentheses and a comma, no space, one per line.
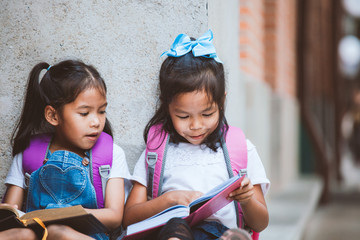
(123,39)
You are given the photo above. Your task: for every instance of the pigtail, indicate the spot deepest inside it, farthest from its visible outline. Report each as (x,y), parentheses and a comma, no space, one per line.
(32,115)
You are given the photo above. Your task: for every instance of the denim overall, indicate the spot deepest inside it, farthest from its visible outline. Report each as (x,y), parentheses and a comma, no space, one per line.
(63,181)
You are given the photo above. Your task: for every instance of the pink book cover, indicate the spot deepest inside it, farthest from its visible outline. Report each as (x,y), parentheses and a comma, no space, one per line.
(197,211)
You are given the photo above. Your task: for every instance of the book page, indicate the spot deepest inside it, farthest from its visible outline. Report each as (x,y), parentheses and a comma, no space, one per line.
(158,219)
(6,207)
(20,213)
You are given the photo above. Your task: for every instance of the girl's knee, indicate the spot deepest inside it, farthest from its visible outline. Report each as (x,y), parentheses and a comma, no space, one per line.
(62,232)
(18,233)
(59,232)
(27,234)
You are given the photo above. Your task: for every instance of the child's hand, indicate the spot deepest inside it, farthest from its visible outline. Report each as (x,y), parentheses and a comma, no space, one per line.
(244,193)
(180,197)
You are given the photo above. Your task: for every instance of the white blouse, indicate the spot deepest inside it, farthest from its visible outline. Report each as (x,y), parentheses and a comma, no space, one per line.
(198,168)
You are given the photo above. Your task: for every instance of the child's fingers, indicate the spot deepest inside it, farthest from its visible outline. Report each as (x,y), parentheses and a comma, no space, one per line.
(240,191)
(245,186)
(242,197)
(245,183)
(184,197)
(196,194)
(243,193)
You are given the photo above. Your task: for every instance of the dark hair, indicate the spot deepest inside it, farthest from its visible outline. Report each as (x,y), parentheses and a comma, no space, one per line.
(187,74)
(61,84)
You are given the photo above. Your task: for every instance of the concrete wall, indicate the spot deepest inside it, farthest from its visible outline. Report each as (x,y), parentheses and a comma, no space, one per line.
(122,38)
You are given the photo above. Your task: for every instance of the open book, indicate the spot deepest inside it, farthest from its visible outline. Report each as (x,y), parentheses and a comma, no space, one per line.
(75,217)
(198,210)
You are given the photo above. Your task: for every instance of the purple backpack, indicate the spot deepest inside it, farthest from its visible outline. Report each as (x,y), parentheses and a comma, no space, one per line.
(100,159)
(235,153)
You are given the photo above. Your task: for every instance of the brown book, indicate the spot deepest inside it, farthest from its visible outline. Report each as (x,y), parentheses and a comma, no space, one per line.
(75,217)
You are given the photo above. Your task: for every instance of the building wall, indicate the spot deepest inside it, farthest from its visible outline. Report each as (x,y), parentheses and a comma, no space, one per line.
(267,37)
(285,94)
(122,38)
(223,20)
(260,61)
(286,48)
(251,38)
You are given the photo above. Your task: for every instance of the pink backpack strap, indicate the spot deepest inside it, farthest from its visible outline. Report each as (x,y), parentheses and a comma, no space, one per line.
(235,152)
(35,154)
(100,157)
(236,161)
(237,149)
(155,156)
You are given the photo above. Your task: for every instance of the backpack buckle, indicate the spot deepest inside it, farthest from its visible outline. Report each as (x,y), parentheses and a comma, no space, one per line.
(243,172)
(151,158)
(27,180)
(104,171)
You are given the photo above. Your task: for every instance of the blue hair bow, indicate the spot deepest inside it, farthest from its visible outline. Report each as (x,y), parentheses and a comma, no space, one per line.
(200,47)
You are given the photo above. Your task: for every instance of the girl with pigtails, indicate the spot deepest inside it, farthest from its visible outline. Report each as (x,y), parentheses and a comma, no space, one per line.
(64,112)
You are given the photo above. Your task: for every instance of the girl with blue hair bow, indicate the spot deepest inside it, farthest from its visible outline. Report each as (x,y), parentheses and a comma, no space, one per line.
(191,112)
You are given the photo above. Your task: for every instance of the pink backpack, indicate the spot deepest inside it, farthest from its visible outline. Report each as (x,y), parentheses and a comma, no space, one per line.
(235,152)
(100,159)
